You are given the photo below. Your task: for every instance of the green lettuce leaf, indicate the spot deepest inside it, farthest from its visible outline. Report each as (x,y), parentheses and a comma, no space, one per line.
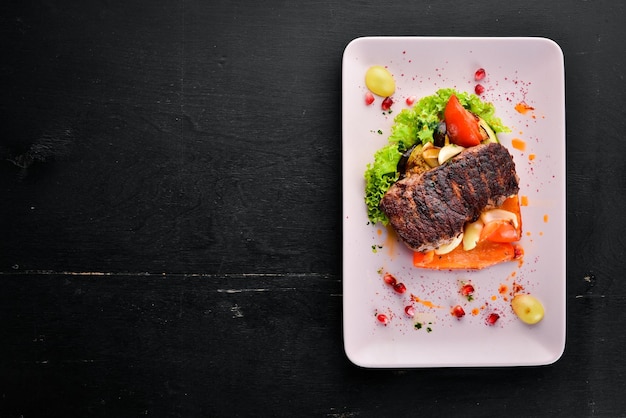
(379,176)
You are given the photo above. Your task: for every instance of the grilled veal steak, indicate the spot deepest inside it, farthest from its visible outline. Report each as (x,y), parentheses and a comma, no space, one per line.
(430,209)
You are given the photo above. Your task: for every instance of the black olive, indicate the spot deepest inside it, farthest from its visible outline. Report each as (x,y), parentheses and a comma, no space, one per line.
(404,158)
(439,135)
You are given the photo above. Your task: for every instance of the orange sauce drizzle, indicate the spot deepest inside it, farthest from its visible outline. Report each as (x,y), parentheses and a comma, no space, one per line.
(390,242)
(523,108)
(426,303)
(518,144)
(504,290)
(524,201)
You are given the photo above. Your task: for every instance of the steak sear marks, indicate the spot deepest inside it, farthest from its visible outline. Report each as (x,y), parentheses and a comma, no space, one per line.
(431,209)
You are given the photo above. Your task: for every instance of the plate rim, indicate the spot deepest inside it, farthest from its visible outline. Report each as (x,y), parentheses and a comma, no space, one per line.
(557,354)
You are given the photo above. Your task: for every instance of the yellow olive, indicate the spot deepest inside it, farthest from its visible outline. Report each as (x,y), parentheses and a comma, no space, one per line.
(380,81)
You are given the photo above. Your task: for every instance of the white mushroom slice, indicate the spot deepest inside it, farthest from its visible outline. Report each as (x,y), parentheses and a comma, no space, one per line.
(499,215)
(446,248)
(448,151)
(471,234)
(431,155)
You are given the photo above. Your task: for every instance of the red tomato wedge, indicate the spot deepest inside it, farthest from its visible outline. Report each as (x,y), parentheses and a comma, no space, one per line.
(499,231)
(461,125)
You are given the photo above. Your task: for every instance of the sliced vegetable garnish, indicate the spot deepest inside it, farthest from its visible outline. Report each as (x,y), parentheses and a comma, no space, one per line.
(485,254)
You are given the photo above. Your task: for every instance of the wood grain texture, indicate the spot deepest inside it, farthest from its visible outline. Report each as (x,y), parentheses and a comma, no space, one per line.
(188,154)
(262,345)
(170,188)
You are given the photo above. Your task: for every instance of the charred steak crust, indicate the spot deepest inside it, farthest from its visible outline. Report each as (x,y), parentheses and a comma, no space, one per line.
(431,209)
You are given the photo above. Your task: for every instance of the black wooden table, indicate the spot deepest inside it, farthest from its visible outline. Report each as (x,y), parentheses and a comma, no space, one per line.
(170,217)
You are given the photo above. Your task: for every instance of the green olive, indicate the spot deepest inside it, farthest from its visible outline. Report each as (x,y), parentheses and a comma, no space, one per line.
(528,308)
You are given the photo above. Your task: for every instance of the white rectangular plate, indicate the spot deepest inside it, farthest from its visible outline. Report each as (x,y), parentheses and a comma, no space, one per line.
(519,70)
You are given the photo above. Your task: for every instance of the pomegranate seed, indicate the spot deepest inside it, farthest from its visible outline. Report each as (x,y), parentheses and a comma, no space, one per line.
(389,279)
(458,311)
(410,100)
(399,287)
(480,74)
(369,98)
(479,89)
(382,318)
(386,105)
(492,318)
(467,290)
(409,310)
